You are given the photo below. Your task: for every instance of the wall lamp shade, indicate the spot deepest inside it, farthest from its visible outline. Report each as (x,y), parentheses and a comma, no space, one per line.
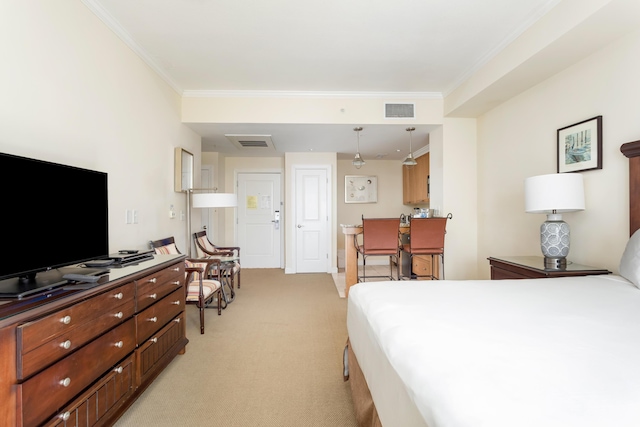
(553,195)
(214,200)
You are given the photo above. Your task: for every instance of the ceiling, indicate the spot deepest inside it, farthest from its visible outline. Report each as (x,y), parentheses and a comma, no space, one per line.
(356,46)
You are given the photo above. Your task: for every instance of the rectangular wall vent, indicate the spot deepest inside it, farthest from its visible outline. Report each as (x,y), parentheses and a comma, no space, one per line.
(251,141)
(259,144)
(399,111)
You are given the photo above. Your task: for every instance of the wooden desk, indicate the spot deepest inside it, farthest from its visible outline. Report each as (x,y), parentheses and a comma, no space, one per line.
(351,255)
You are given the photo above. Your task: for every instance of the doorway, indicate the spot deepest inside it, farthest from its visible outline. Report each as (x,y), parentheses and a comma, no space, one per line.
(259,216)
(312,230)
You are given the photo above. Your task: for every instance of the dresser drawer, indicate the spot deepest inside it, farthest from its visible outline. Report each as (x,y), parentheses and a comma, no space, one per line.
(38,332)
(159,314)
(42,395)
(98,404)
(64,344)
(154,287)
(161,345)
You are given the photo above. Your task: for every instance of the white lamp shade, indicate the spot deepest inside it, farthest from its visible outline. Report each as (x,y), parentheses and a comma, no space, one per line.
(559,192)
(214,200)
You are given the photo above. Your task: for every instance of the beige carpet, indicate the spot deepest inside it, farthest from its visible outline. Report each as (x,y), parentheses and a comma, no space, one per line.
(274,358)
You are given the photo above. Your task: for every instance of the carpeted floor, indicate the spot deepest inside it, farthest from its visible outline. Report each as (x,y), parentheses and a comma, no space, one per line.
(273,358)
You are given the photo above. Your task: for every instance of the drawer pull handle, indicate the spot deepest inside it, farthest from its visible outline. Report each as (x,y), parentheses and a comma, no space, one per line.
(66,345)
(154,340)
(176,269)
(119,344)
(65,382)
(119,295)
(153,280)
(153,319)
(118,370)
(119,315)
(153,296)
(176,302)
(65,416)
(66,320)
(177,283)
(176,320)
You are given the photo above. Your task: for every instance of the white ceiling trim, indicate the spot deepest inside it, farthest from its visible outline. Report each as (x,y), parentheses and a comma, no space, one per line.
(531,19)
(303,94)
(112,24)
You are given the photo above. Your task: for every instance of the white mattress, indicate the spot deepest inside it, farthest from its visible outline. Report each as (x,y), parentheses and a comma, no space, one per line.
(540,352)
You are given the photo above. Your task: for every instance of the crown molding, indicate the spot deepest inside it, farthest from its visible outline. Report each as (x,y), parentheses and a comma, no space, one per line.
(306,94)
(115,26)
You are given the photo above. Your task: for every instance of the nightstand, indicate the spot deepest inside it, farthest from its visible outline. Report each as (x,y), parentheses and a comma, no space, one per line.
(532,267)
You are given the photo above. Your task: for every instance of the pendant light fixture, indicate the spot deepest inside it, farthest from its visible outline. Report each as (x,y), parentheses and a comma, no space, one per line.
(357,160)
(409,160)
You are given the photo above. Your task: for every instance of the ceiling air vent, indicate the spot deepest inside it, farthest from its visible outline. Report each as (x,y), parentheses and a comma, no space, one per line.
(399,111)
(251,141)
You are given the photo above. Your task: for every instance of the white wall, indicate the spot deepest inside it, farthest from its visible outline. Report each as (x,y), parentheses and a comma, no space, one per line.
(518,139)
(73,93)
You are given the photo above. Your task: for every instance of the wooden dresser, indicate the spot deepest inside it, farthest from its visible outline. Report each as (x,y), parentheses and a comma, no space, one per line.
(81,357)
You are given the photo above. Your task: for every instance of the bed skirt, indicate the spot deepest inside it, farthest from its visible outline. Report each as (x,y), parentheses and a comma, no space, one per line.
(365,409)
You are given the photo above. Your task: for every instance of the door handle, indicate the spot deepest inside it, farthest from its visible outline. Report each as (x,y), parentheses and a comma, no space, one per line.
(300,225)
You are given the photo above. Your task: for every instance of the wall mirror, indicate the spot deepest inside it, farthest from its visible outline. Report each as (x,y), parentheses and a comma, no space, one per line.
(183,170)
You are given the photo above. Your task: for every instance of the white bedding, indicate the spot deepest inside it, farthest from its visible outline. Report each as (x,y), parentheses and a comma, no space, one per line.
(513,353)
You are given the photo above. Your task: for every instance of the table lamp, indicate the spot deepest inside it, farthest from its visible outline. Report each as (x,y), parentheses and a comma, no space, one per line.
(553,195)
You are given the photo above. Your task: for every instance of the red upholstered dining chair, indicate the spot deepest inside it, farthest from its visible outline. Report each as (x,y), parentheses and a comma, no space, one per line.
(426,237)
(380,237)
(200,290)
(204,249)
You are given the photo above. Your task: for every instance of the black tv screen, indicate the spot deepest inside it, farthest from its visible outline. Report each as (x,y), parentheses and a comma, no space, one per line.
(53,216)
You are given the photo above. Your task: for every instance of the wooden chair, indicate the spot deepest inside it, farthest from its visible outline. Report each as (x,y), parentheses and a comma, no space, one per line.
(205,248)
(380,237)
(199,289)
(426,237)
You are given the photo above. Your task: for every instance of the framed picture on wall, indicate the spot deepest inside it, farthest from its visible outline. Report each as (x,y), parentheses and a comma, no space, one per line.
(580,146)
(360,189)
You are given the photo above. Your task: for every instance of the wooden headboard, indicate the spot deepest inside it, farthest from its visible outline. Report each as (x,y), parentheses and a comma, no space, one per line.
(632,151)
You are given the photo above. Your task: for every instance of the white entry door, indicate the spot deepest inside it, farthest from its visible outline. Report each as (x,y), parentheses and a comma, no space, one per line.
(312,221)
(259,226)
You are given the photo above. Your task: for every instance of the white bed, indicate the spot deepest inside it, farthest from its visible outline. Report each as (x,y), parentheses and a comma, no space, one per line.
(538,352)
(557,352)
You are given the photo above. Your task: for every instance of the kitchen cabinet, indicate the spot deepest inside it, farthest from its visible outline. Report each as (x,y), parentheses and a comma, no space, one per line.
(415,182)
(418,267)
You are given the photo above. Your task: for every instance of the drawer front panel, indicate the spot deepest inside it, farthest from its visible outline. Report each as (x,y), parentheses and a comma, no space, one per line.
(422,265)
(156,316)
(156,286)
(53,388)
(101,400)
(64,344)
(36,333)
(156,347)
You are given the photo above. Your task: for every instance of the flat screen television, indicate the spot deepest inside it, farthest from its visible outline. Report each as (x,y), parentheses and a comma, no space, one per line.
(54,217)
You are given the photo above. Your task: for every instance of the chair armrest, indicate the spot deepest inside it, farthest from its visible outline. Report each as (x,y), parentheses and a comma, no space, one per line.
(230,249)
(211,264)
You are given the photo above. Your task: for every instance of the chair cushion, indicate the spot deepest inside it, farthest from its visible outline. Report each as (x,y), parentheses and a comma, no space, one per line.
(167,249)
(208,288)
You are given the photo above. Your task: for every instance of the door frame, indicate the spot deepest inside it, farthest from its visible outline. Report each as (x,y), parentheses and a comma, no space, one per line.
(283,216)
(331,239)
